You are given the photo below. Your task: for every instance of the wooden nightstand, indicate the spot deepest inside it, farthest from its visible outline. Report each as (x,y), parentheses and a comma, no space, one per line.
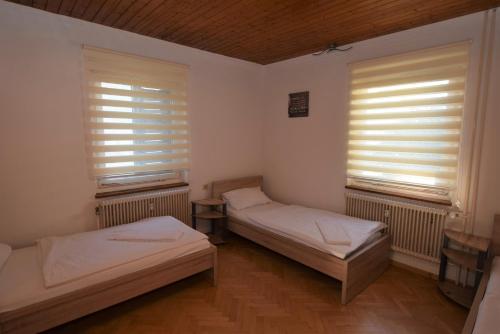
(217,214)
(463,295)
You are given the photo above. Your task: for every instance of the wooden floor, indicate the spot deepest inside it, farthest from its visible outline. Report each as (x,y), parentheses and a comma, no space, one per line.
(262,292)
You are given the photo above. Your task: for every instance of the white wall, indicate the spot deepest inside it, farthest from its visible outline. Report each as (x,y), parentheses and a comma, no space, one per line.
(305,158)
(44,186)
(238,117)
(488,201)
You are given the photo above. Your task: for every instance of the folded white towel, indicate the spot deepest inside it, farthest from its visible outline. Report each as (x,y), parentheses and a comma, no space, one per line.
(148,233)
(333,233)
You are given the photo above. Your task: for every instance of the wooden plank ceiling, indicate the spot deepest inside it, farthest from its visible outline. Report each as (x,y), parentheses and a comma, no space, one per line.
(262,31)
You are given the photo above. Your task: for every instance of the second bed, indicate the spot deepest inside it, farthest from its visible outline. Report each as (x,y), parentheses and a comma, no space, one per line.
(281,228)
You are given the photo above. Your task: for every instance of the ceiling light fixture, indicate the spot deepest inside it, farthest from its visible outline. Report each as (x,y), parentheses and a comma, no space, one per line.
(331,48)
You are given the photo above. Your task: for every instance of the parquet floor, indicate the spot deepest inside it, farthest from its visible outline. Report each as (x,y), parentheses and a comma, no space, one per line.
(262,292)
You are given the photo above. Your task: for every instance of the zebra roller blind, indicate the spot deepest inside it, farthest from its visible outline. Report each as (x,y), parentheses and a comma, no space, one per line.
(136,114)
(406,121)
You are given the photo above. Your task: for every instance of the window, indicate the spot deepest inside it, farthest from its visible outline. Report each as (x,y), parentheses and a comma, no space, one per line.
(136,117)
(405,123)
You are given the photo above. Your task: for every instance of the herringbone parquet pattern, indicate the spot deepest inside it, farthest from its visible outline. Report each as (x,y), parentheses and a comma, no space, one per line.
(262,292)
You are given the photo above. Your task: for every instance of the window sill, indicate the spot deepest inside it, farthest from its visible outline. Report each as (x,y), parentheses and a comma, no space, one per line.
(139,190)
(396,194)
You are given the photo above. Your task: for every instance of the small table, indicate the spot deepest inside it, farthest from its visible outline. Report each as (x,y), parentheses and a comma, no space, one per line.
(217,213)
(463,295)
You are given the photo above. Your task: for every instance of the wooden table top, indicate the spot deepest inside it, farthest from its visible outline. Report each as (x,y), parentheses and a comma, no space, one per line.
(469,240)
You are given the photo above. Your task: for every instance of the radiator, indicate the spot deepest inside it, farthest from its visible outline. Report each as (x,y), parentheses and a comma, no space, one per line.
(128,209)
(414,230)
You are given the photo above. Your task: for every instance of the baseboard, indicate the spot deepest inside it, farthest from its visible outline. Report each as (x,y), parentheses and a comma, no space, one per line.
(415,263)
(414,270)
(429,268)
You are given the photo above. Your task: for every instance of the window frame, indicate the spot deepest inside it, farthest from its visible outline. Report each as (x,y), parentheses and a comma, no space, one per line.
(456,197)
(133,179)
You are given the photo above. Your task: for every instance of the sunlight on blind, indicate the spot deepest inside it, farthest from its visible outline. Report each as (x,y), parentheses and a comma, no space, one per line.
(136,116)
(406,120)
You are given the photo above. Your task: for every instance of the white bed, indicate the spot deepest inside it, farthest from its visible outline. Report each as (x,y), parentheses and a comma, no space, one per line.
(28,305)
(489,310)
(484,313)
(304,231)
(302,238)
(23,266)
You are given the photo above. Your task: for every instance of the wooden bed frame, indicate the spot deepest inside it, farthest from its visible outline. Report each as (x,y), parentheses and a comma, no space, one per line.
(355,272)
(58,310)
(478,298)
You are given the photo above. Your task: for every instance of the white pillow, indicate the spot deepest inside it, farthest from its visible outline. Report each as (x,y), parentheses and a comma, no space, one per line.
(245,197)
(5,251)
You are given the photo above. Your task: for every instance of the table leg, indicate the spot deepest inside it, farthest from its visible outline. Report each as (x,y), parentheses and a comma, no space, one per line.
(481,257)
(444,261)
(193,218)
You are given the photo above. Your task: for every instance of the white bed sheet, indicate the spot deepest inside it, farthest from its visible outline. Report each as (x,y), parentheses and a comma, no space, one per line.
(310,235)
(487,321)
(72,257)
(22,283)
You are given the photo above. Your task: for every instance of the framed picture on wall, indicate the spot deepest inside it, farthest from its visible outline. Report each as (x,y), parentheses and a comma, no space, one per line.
(298,104)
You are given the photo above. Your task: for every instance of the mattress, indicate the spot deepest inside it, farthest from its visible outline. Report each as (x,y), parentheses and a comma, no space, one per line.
(22,283)
(307,232)
(487,320)
(72,257)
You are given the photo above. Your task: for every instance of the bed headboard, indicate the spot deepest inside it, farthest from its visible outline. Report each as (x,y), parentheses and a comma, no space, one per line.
(222,186)
(495,236)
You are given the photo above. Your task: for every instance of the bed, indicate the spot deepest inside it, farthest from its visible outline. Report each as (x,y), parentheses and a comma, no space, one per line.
(29,303)
(483,315)
(356,269)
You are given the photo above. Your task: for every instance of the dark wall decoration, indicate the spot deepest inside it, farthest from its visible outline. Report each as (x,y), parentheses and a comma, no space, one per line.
(298,104)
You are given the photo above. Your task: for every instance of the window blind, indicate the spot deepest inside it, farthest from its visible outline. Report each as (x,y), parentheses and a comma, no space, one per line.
(406,120)
(136,114)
